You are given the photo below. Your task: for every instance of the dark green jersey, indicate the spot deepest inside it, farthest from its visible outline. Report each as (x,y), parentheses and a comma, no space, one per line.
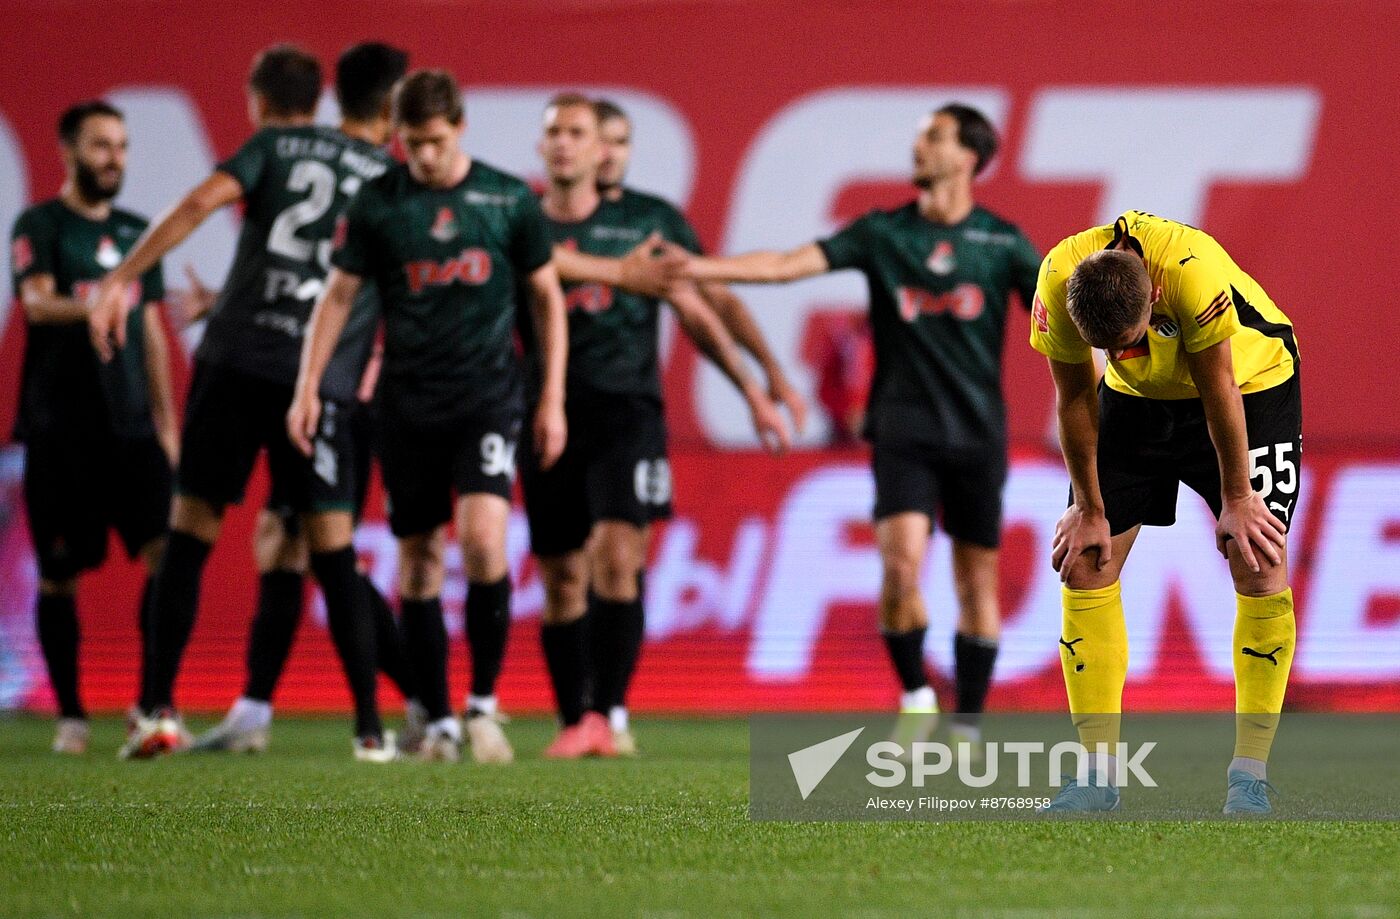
(65,390)
(938,298)
(613,333)
(296,182)
(448,264)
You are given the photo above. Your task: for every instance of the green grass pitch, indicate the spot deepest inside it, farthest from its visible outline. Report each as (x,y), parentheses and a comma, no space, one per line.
(304,831)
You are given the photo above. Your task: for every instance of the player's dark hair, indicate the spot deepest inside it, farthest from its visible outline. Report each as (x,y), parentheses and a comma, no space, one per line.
(975,132)
(288,78)
(70,123)
(427,94)
(606,108)
(1108,294)
(365,75)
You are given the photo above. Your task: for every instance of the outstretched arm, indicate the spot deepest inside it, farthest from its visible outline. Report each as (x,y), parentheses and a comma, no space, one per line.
(736,317)
(704,328)
(45,306)
(107,321)
(1243,516)
(763,267)
(641,271)
(328,319)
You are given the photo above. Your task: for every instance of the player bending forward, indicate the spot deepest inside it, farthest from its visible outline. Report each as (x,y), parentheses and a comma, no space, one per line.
(1201,388)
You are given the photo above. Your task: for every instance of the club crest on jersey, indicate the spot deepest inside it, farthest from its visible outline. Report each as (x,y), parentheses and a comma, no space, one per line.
(445,226)
(1164,326)
(108,256)
(472,266)
(940,260)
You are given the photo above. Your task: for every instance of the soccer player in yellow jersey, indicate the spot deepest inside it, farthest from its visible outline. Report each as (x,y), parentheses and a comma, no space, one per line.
(1201,388)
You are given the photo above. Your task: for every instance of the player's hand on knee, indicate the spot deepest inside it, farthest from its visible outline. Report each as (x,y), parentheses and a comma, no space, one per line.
(302,420)
(1078,532)
(1251,525)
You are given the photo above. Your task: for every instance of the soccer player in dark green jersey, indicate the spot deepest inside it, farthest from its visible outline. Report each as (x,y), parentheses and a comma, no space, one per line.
(293,178)
(613,479)
(74,408)
(940,271)
(451,244)
(365,75)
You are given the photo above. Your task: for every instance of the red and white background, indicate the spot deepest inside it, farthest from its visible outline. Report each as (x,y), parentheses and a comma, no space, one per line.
(771,124)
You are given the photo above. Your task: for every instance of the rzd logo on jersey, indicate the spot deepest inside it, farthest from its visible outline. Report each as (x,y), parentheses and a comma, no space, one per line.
(445,226)
(962,302)
(589,298)
(940,260)
(108,256)
(472,267)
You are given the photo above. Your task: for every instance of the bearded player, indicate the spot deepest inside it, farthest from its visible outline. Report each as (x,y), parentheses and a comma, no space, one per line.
(940,271)
(74,408)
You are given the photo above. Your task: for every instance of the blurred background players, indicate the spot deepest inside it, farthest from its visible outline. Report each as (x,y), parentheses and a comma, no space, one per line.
(364,79)
(293,178)
(590,513)
(451,243)
(74,408)
(940,270)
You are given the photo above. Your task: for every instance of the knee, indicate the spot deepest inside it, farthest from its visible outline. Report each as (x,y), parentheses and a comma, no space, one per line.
(1086,575)
(899,575)
(196,517)
(420,569)
(483,553)
(58,587)
(151,553)
(274,549)
(565,588)
(615,570)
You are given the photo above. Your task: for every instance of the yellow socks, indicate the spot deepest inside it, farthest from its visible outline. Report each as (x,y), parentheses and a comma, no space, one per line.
(1265,631)
(1094,657)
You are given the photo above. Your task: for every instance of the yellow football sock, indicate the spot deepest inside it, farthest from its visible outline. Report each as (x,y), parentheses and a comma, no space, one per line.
(1265,632)
(1094,658)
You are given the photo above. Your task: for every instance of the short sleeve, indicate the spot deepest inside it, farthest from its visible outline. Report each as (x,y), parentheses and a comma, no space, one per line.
(850,248)
(32,246)
(1199,295)
(530,246)
(153,284)
(352,243)
(1025,269)
(248,164)
(1053,332)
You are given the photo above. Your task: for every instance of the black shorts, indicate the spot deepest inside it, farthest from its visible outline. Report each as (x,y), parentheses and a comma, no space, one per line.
(76,491)
(353,445)
(614,468)
(1148,446)
(424,466)
(962,491)
(231,416)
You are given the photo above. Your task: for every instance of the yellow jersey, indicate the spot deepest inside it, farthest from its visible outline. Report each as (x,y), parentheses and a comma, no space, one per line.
(1203,298)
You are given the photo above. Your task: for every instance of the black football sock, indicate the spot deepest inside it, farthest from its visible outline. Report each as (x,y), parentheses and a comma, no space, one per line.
(425,639)
(907,654)
(619,627)
(389,642)
(565,653)
(280,605)
(56,622)
(352,631)
(973,659)
(174,603)
(488,626)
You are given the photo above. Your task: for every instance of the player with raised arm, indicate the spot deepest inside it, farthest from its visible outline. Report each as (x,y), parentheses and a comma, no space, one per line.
(590,513)
(450,243)
(940,270)
(1201,388)
(293,178)
(365,76)
(73,408)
